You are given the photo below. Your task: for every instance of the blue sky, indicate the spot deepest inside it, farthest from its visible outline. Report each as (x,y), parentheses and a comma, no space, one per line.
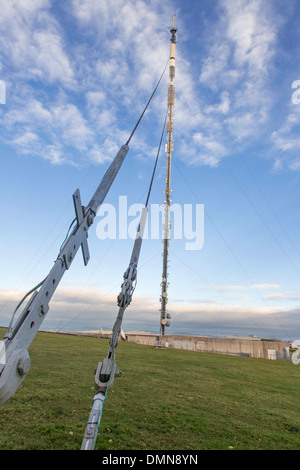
(77,76)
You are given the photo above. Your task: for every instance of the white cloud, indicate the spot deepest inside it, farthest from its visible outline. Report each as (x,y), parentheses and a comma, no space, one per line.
(102,154)
(252,28)
(25,140)
(73,305)
(54,153)
(290,296)
(234,287)
(236,68)
(244,44)
(234,84)
(75,130)
(32,42)
(123,48)
(286,140)
(46,129)
(223,107)
(265,286)
(115,67)
(123,29)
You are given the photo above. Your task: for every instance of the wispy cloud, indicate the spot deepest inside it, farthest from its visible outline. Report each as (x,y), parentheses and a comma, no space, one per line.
(66,99)
(291,296)
(46,129)
(265,286)
(235,69)
(32,41)
(73,307)
(286,140)
(235,287)
(64,95)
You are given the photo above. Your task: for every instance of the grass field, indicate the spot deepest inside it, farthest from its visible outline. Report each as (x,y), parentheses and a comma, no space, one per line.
(165,400)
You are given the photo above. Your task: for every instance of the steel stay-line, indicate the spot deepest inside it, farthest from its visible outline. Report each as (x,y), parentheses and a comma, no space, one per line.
(106,370)
(15,361)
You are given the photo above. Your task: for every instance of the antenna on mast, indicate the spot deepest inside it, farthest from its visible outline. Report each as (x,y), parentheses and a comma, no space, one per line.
(164,316)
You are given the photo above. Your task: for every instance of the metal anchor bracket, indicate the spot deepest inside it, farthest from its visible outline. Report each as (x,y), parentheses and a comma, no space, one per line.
(79,210)
(106,372)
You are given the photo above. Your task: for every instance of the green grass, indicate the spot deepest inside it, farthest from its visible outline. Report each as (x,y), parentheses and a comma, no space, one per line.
(165,400)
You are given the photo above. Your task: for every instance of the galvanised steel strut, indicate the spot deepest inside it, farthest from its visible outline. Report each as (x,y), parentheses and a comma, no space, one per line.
(106,371)
(14,357)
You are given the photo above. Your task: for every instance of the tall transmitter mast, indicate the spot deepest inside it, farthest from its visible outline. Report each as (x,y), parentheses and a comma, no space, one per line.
(164,317)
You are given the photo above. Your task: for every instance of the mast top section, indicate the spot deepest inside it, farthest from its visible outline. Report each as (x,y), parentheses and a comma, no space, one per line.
(173,31)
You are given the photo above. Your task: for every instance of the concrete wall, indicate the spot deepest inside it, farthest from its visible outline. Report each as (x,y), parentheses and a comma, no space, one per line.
(239,346)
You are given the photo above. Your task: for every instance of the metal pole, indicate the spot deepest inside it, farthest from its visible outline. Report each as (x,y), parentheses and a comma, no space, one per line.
(164,316)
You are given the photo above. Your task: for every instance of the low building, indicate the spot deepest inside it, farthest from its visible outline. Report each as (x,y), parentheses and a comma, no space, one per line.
(250,346)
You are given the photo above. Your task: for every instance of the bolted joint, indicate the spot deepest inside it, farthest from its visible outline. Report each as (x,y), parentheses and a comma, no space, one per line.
(90,219)
(24,365)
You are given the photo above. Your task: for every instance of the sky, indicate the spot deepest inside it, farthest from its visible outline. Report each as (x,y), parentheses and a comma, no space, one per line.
(74,79)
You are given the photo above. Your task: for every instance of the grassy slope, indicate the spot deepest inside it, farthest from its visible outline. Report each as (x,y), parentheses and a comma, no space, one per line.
(165,399)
